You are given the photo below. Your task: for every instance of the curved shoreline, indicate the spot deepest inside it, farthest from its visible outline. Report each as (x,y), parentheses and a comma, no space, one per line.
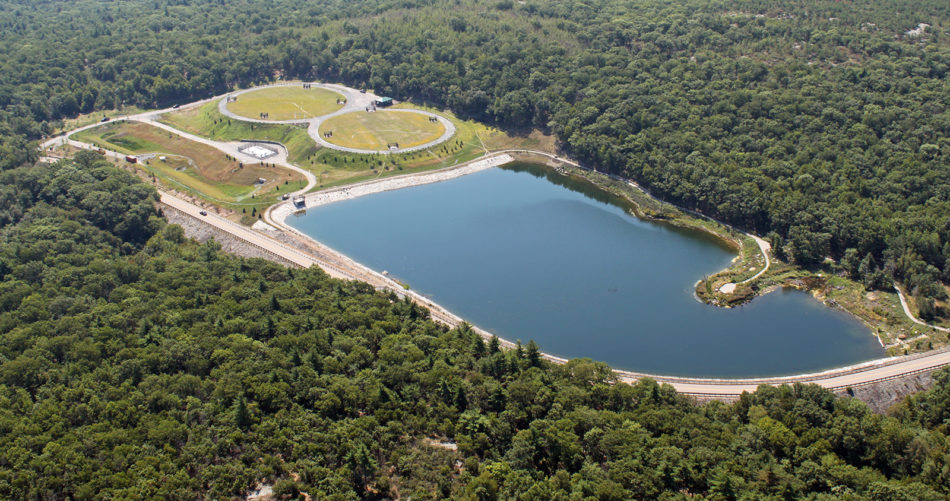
(864,373)
(836,378)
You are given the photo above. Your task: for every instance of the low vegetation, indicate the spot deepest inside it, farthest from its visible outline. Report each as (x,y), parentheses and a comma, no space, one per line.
(334,168)
(380,129)
(92,117)
(286,103)
(193,167)
(206,121)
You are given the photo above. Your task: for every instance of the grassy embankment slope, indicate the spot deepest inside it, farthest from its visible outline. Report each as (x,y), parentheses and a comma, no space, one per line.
(335,168)
(207,122)
(193,167)
(85,119)
(286,103)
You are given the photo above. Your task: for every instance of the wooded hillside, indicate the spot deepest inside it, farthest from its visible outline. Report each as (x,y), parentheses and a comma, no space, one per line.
(137,364)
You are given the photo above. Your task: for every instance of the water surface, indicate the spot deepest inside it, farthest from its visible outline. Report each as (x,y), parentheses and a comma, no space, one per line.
(529,254)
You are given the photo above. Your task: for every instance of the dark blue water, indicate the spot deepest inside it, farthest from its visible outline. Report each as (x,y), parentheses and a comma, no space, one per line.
(529,254)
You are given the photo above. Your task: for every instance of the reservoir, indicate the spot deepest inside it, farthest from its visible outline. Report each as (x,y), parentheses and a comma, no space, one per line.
(527,253)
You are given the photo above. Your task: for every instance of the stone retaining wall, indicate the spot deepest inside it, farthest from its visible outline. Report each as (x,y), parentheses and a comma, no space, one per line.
(202,232)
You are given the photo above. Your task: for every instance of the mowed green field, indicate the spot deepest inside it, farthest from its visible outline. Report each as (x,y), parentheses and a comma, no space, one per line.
(286,103)
(206,121)
(374,131)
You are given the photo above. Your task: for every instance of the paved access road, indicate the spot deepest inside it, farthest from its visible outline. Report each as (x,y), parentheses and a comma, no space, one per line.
(835,379)
(229,147)
(250,236)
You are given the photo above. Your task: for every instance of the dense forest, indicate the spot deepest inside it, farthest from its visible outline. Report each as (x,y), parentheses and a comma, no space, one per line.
(822,124)
(136,364)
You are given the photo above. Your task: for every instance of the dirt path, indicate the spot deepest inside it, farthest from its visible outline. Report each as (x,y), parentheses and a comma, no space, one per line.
(910,315)
(764,247)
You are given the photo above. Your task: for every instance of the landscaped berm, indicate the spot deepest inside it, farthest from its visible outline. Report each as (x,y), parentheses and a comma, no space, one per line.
(192,166)
(286,103)
(381,130)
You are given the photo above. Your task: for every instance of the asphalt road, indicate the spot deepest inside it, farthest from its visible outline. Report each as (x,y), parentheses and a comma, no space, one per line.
(836,379)
(246,234)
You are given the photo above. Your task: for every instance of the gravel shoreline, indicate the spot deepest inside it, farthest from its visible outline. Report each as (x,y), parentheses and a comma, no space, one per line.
(279,213)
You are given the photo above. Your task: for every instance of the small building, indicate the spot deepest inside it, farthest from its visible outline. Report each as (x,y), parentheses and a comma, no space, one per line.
(384,101)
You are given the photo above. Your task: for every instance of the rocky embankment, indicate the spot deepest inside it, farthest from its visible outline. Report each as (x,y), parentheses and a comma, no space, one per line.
(202,232)
(882,395)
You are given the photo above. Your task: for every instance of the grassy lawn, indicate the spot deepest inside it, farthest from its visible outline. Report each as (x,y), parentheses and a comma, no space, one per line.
(335,168)
(206,121)
(375,131)
(194,167)
(286,103)
(472,140)
(178,171)
(96,116)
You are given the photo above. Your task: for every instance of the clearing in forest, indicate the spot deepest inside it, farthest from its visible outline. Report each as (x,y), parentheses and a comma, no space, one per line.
(286,103)
(190,165)
(380,129)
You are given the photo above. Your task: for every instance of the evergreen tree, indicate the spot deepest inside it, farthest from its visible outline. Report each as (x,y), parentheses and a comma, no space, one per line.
(533,354)
(242,417)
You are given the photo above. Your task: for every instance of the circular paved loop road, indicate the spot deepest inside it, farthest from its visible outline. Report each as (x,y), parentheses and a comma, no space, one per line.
(356,102)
